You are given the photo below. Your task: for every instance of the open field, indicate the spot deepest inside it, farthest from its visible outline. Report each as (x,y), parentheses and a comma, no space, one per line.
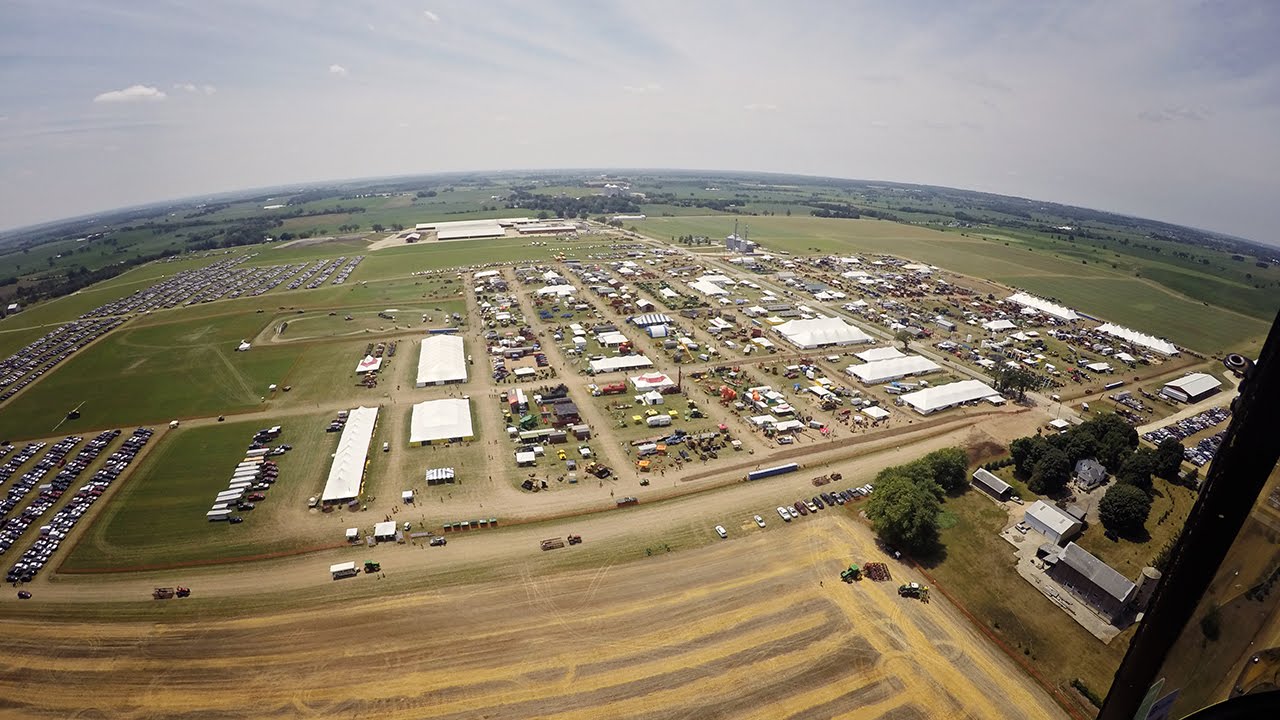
(1092,288)
(720,636)
(158,517)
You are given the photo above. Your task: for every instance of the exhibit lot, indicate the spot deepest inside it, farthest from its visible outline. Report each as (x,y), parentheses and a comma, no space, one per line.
(546,427)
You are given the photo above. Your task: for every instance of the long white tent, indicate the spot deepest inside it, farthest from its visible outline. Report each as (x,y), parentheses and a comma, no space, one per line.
(1044,306)
(347,472)
(624,362)
(821,332)
(441,359)
(441,420)
(885,370)
(946,396)
(1164,347)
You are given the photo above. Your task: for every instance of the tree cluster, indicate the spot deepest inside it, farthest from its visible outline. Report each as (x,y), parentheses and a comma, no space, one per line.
(570,207)
(908,498)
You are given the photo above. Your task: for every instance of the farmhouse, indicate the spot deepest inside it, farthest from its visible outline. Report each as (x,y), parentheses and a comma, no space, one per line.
(1093,581)
(821,332)
(1089,474)
(346,474)
(441,359)
(993,485)
(447,420)
(1191,388)
(881,371)
(1051,522)
(942,397)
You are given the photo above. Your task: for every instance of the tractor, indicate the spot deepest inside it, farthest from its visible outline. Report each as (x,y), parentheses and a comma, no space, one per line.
(914,590)
(371,567)
(852,573)
(575,539)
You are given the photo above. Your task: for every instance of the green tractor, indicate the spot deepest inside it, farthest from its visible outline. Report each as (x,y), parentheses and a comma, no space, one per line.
(852,573)
(371,567)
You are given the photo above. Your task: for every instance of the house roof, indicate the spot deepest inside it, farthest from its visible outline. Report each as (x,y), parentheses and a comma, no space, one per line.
(1051,517)
(1098,573)
(1195,384)
(1091,471)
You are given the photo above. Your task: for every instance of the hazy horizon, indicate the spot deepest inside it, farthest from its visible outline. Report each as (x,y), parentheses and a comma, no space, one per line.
(1161,111)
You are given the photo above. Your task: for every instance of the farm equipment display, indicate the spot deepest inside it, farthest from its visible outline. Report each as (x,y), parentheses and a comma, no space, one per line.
(552,544)
(182,591)
(877,571)
(162,593)
(371,567)
(853,572)
(914,590)
(575,539)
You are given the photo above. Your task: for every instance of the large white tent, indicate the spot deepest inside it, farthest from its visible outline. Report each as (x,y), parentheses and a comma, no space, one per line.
(652,381)
(441,420)
(561,290)
(998,325)
(885,370)
(625,362)
(706,287)
(946,396)
(368,364)
(347,471)
(880,353)
(1044,306)
(441,359)
(821,332)
(1164,347)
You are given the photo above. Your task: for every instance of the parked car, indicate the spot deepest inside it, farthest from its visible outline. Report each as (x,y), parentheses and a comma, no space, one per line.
(439,541)
(784,514)
(759,520)
(234,519)
(721,531)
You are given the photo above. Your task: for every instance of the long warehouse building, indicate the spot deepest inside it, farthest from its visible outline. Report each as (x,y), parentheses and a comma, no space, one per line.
(441,360)
(346,474)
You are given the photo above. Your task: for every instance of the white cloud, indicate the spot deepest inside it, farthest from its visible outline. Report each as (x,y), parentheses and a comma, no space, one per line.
(338,70)
(431,16)
(133,93)
(762,107)
(184,86)
(208,89)
(193,88)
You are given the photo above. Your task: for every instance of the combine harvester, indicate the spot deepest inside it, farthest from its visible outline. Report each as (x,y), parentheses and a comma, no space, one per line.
(914,590)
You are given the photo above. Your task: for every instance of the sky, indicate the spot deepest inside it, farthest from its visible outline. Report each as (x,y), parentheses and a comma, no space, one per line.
(1161,109)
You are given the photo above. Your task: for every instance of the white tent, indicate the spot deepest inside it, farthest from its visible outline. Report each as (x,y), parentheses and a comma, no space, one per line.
(946,396)
(875,413)
(353,534)
(385,530)
(611,338)
(651,319)
(998,325)
(614,364)
(447,419)
(347,471)
(441,359)
(892,369)
(437,476)
(561,290)
(368,364)
(880,353)
(1044,306)
(652,381)
(1164,347)
(822,332)
(706,287)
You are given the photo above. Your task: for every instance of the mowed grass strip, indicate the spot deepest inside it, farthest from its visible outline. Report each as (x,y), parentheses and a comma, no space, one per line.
(158,517)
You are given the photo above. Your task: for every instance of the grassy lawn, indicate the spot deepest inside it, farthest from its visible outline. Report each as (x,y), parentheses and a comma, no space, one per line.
(977,570)
(1169,510)
(149,374)
(158,517)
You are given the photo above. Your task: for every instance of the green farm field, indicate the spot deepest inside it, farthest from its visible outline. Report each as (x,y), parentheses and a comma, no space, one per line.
(157,519)
(1093,288)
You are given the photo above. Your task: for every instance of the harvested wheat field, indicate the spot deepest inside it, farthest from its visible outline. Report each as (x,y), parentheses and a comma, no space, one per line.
(753,627)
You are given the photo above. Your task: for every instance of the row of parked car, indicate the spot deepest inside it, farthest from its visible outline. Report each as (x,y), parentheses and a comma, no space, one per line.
(26,365)
(1202,452)
(13,528)
(59,526)
(823,500)
(28,480)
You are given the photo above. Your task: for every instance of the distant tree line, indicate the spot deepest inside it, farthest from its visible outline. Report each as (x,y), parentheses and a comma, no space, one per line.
(569,207)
